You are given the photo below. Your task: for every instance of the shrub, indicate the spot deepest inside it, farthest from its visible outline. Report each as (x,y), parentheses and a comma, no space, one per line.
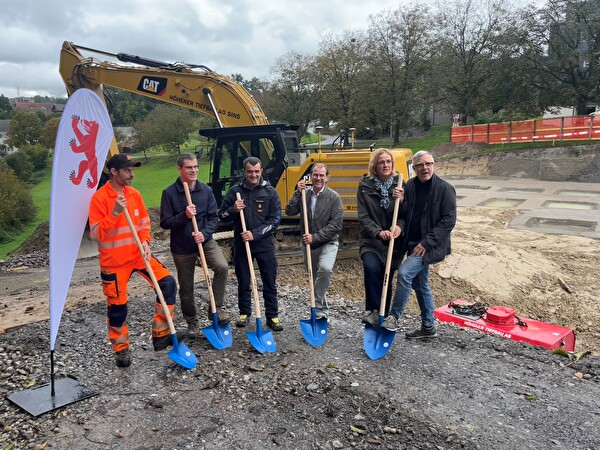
(21,165)
(38,155)
(16,207)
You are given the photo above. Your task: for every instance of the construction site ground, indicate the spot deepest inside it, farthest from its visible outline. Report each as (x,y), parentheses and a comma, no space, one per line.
(520,241)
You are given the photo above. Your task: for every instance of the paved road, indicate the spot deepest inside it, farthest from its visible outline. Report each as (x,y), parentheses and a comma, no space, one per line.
(546,206)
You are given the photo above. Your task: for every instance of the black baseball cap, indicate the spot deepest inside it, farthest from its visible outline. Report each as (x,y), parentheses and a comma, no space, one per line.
(121,161)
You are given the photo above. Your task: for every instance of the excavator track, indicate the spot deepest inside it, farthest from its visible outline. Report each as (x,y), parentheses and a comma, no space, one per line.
(288,246)
(296,257)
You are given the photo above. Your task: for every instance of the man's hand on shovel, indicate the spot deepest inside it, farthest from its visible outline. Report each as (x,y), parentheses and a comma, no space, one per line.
(190,211)
(147,251)
(198,237)
(120,205)
(307,239)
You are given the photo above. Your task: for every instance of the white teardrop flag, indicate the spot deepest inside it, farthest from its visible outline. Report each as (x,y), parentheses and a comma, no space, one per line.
(82,143)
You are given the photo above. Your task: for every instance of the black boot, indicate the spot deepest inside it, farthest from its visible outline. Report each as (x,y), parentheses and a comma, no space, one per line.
(123,358)
(160,343)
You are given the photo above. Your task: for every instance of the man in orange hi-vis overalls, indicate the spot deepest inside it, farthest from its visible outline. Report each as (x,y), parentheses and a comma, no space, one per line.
(120,257)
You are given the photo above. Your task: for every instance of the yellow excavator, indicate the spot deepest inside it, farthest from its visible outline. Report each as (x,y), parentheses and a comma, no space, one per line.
(243,128)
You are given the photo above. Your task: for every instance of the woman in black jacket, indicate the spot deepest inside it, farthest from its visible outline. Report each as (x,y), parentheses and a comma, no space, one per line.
(375,209)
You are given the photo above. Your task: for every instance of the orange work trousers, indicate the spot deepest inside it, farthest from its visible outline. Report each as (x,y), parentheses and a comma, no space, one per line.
(114,286)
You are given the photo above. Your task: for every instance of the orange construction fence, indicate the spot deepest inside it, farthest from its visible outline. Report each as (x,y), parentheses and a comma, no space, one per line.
(576,128)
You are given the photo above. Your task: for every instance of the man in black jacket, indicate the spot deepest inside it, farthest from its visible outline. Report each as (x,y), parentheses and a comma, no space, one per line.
(430,211)
(176,215)
(262,213)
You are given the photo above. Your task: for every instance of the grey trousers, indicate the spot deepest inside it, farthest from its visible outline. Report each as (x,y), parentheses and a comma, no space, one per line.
(323,259)
(186,266)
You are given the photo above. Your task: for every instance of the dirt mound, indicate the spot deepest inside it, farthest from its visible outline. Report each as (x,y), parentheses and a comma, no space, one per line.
(458,148)
(40,238)
(579,163)
(38,241)
(546,278)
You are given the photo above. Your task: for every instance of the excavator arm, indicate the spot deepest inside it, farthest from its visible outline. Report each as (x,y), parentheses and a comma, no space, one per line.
(243,127)
(195,87)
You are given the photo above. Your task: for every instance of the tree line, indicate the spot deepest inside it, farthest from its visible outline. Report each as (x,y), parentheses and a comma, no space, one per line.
(19,170)
(487,60)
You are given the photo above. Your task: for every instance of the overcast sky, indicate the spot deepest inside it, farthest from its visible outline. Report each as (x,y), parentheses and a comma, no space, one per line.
(235,36)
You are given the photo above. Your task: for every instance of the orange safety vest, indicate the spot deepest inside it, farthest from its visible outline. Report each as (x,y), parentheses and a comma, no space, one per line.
(116,244)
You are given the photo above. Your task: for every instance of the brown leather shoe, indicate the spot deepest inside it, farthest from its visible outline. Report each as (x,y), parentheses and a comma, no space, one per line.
(193,329)
(224,316)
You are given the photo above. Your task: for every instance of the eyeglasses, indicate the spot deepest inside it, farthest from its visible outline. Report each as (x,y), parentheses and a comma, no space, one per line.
(190,167)
(386,162)
(421,165)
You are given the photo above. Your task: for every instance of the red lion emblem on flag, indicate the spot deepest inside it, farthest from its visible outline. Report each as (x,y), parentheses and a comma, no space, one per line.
(87,146)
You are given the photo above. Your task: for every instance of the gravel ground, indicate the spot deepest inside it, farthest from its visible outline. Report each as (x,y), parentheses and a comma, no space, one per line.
(461,390)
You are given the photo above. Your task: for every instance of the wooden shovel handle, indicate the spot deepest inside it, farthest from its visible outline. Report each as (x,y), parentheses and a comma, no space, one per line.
(211,295)
(150,272)
(250,265)
(390,254)
(308,254)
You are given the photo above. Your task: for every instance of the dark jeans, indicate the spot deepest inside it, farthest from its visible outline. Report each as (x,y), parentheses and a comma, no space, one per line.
(267,265)
(374,271)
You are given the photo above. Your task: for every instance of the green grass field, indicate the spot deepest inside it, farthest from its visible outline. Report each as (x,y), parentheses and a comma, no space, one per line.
(437,135)
(155,174)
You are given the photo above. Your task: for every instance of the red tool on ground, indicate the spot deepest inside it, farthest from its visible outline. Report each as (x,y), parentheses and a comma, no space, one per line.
(502,321)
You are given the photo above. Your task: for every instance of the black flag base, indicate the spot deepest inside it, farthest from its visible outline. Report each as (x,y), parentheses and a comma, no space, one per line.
(42,400)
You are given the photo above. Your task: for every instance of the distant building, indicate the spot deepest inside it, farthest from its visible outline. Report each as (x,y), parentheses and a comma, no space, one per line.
(567,111)
(125,139)
(5,149)
(439,117)
(560,111)
(45,108)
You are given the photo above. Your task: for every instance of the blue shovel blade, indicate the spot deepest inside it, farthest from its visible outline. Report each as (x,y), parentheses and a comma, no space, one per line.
(377,340)
(181,354)
(313,330)
(218,334)
(262,341)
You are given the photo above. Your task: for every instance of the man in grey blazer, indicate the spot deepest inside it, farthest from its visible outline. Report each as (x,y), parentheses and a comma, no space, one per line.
(325,215)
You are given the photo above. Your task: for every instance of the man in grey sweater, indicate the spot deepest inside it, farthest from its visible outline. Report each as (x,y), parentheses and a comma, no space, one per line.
(325,214)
